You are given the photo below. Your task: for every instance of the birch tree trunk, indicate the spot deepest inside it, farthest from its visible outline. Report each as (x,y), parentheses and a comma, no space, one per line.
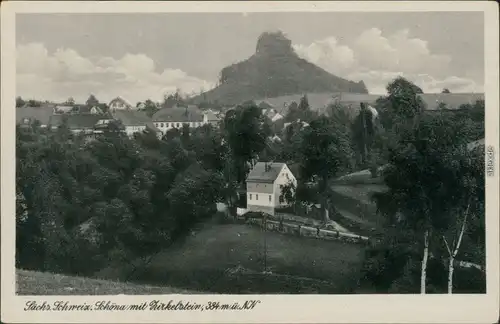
(450,275)
(423,273)
(454,253)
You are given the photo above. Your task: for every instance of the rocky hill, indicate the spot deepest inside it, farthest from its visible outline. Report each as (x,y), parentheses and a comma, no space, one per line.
(274,70)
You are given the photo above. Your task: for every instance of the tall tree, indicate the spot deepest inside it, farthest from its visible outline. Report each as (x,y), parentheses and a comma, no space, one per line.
(325,151)
(70,101)
(426,177)
(92,101)
(20,102)
(363,131)
(292,112)
(150,107)
(245,136)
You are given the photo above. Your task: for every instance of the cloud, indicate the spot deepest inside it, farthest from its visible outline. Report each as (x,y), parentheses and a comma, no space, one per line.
(64,73)
(328,54)
(377,59)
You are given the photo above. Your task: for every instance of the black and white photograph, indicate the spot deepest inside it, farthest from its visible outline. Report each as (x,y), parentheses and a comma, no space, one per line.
(244,153)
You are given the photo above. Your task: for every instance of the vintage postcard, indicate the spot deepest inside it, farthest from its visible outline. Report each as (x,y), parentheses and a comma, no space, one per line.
(249,162)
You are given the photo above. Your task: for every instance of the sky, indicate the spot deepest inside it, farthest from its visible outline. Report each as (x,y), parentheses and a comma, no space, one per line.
(146,55)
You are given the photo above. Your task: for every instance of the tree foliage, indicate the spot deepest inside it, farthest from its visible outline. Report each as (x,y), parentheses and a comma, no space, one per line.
(433,181)
(325,151)
(83,204)
(92,101)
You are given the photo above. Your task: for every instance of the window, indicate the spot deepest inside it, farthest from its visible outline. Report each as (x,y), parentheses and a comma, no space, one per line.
(269,198)
(161,125)
(178,125)
(256,197)
(250,196)
(168,124)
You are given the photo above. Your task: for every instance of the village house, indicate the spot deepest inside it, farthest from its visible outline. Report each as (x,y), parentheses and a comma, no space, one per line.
(63,109)
(134,121)
(119,103)
(264,186)
(170,118)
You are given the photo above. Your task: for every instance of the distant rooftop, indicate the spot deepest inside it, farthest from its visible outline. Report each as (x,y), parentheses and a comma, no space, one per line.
(182,115)
(76,121)
(134,118)
(42,114)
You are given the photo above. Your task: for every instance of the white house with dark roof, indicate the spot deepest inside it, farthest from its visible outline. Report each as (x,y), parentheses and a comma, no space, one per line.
(264,186)
(134,121)
(63,109)
(169,118)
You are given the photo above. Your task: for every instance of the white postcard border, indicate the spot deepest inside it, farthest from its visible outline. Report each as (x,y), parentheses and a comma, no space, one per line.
(273,308)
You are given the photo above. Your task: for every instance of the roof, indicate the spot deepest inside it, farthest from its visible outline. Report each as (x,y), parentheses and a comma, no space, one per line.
(178,115)
(86,109)
(131,117)
(317,101)
(260,174)
(42,114)
(76,121)
(452,100)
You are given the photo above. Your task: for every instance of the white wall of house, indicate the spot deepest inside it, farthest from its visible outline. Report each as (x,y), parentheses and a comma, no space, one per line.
(130,130)
(164,126)
(256,198)
(103,121)
(284,177)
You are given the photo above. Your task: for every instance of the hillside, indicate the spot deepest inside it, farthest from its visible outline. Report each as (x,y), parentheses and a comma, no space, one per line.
(42,283)
(274,70)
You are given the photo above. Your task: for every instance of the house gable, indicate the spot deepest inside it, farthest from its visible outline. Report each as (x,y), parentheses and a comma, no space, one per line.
(285,177)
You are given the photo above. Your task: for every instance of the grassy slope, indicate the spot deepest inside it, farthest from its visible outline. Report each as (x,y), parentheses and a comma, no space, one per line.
(201,260)
(41,283)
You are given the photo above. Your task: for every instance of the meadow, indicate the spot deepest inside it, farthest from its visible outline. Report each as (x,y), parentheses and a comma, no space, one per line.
(237,258)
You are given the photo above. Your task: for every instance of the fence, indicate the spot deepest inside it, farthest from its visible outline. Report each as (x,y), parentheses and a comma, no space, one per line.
(307,231)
